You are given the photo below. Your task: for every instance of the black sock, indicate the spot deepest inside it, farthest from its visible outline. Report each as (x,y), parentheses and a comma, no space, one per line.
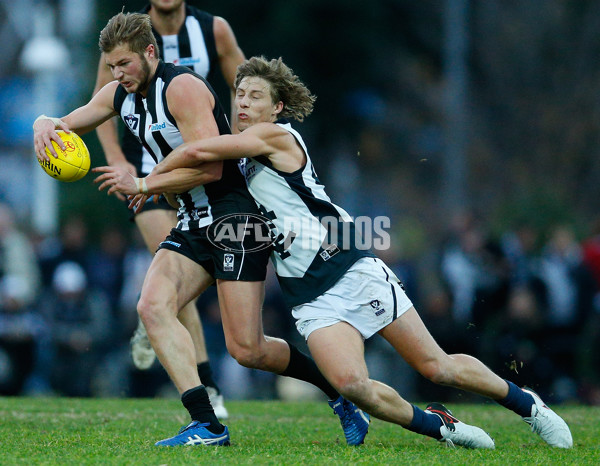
(517,400)
(206,376)
(303,367)
(425,423)
(198,405)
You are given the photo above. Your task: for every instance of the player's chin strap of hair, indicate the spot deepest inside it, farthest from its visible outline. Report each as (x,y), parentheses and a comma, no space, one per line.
(54,120)
(142,187)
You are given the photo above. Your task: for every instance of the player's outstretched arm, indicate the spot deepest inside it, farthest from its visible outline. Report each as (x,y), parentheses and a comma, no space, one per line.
(118,180)
(261,139)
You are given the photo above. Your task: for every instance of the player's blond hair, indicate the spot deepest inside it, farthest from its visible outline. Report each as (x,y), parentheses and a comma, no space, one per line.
(131,29)
(285,85)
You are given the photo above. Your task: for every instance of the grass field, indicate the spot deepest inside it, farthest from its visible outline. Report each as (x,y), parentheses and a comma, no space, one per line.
(65,431)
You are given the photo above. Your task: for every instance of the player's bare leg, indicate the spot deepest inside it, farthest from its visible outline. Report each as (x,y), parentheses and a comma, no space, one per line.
(172,281)
(241,313)
(411,339)
(409,336)
(154,226)
(338,350)
(339,353)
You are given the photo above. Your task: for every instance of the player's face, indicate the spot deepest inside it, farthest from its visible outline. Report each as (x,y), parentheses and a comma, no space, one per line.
(130,69)
(253,103)
(166,6)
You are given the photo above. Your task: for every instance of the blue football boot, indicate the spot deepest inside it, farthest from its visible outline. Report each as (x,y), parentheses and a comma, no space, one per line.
(196,433)
(354,421)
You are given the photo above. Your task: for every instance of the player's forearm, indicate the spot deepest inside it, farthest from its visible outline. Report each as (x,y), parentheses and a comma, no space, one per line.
(180,180)
(181,157)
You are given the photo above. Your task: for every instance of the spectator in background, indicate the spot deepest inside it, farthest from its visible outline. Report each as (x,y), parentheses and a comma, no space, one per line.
(517,346)
(590,342)
(476,273)
(106,268)
(78,319)
(566,299)
(519,247)
(71,245)
(17,255)
(20,327)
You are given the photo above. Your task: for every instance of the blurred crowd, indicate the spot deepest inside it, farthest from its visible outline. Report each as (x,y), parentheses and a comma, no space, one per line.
(526,302)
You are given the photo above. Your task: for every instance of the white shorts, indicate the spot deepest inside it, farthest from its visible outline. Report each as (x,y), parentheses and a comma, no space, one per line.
(368,297)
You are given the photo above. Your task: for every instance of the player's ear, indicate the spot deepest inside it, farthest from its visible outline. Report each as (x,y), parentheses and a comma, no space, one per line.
(278,108)
(150,51)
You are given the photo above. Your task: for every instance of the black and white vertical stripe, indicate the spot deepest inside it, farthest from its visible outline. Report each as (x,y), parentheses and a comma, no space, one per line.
(157,131)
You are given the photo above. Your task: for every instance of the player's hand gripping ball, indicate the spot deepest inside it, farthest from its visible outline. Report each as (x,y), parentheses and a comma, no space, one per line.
(73,163)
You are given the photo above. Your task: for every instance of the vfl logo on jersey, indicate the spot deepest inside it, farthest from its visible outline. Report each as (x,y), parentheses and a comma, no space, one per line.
(228,262)
(188,61)
(132,121)
(376,305)
(157,126)
(329,252)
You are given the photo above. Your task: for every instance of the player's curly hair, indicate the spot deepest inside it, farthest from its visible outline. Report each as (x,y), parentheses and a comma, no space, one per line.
(132,29)
(285,85)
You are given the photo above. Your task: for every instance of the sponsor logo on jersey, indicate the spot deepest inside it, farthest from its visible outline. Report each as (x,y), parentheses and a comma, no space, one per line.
(132,121)
(157,126)
(241,233)
(228,262)
(188,61)
(329,252)
(376,305)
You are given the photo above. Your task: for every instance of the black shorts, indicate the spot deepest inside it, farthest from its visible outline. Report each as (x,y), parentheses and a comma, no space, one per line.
(162,204)
(236,261)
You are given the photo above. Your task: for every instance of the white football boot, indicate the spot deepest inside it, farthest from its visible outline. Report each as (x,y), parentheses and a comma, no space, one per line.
(141,350)
(547,424)
(458,433)
(217,402)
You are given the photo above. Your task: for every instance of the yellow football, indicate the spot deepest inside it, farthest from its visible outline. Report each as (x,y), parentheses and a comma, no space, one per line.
(72,164)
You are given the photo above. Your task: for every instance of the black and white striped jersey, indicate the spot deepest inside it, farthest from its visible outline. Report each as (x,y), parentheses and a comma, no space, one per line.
(151,122)
(194,46)
(315,238)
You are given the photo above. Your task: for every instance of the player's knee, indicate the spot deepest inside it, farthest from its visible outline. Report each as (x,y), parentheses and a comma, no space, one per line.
(147,310)
(247,355)
(351,386)
(435,371)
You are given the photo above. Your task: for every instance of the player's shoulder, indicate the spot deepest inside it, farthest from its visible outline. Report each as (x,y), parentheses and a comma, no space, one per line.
(198,13)
(188,79)
(272,133)
(110,90)
(187,87)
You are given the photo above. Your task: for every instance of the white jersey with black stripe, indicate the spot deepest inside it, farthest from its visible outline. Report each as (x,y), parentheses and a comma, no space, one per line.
(315,238)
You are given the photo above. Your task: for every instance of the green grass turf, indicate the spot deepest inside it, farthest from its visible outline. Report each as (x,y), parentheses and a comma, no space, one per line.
(66,431)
